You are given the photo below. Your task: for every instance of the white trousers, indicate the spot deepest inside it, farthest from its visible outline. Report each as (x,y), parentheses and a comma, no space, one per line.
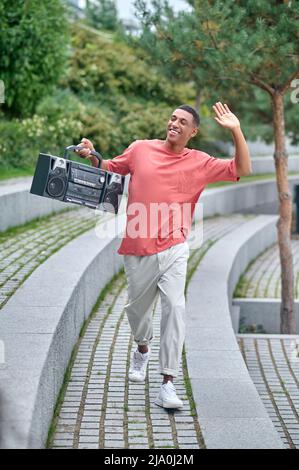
(164,273)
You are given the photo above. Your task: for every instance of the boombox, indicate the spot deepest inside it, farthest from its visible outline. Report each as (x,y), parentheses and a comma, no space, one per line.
(69,181)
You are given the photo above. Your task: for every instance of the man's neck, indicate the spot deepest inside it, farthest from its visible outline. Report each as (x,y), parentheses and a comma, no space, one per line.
(172,147)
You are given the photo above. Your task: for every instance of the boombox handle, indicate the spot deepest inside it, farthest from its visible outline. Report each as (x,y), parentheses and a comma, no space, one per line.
(77,147)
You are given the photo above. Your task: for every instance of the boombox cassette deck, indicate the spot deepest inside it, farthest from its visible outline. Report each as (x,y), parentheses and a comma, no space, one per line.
(69,181)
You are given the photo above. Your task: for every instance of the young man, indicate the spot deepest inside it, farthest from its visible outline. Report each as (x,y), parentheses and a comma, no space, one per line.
(155,256)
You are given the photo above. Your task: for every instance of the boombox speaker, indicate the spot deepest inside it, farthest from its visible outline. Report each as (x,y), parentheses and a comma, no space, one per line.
(68,181)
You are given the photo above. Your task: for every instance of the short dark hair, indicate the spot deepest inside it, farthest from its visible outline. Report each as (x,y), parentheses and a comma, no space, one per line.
(189,109)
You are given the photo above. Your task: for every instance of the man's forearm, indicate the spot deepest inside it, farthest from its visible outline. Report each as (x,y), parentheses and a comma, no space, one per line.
(242,156)
(95,162)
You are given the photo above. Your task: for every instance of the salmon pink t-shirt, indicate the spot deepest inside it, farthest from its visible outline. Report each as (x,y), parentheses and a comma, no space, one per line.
(163,190)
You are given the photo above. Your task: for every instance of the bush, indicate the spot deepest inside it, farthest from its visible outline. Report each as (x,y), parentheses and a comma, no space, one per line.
(101,68)
(53,127)
(33,44)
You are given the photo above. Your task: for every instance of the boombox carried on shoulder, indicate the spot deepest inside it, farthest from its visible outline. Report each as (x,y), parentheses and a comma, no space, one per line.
(78,183)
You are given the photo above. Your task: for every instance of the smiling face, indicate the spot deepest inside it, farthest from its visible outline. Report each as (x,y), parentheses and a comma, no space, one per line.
(181,128)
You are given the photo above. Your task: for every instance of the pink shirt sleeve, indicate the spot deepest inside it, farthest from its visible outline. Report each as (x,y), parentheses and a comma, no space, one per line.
(123,164)
(220,169)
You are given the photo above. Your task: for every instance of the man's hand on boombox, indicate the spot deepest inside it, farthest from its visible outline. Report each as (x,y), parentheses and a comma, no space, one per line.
(85,153)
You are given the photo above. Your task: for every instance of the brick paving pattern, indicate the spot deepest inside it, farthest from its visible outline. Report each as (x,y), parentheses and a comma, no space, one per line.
(273,364)
(101,408)
(262,279)
(22,252)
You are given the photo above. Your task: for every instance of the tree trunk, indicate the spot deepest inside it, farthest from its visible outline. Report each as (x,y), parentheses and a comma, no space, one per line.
(287,309)
(198,100)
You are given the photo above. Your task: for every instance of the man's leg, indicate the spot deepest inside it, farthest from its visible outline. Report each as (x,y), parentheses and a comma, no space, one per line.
(142,276)
(172,286)
(172,291)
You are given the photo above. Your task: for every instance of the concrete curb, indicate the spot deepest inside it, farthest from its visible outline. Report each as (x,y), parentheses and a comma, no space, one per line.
(230,411)
(39,327)
(18,205)
(266,164)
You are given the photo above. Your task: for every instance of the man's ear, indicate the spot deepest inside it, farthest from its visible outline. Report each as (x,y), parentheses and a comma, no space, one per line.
(194,132)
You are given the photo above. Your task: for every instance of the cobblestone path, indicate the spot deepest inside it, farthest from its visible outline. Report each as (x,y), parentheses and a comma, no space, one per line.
(262,278)
(100,407)
(273,364)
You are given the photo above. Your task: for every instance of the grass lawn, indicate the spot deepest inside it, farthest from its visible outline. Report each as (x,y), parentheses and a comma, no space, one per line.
(7,173)
(19,172)
(248,179)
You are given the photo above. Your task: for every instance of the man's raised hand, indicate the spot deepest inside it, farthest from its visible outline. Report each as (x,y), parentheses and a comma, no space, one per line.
(225,117)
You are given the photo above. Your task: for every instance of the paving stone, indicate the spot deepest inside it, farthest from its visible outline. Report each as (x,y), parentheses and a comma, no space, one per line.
(63,442)
(89,432)
(163,444)
(88,446)
(138,440)
(283,401)
(88,439)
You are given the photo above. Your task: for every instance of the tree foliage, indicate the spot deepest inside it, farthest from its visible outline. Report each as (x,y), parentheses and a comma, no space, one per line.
(102,14)
(109,94)
(33,40)
(225,47)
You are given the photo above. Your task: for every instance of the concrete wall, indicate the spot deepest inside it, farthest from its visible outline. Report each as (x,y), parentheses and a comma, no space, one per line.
(266,164)
(265,312)
(18,205)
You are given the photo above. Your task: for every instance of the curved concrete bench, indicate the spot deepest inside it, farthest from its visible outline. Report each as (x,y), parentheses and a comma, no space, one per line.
(230,411)
(18,205)
(242,197)
(266,164)
(263,311)
(39,327)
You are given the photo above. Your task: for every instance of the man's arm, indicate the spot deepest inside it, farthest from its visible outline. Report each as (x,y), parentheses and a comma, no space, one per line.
(228,120)
(121,164)
(242,157)
(85,153)
(95,162)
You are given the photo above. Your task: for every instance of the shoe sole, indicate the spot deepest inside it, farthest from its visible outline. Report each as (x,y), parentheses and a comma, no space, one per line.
(137,380)
(133,379)
(167,405)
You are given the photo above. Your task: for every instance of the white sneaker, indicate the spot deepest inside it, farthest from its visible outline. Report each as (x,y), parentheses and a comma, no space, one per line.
(167,397)
(137,370)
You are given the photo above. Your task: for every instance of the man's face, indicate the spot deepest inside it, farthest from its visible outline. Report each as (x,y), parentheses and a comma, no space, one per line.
(181,127)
